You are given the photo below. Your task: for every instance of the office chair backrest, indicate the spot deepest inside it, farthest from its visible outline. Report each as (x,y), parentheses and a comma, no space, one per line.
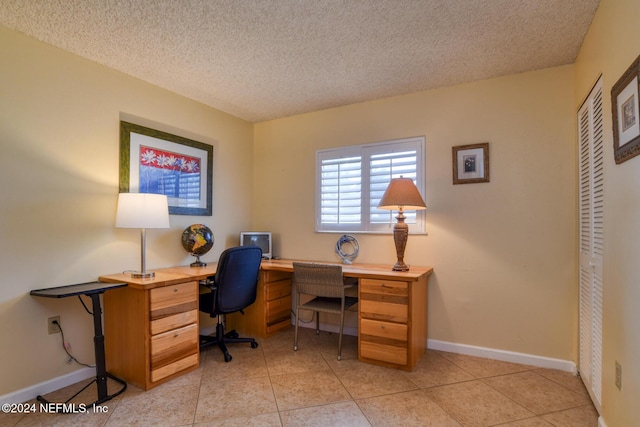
(237,278)
(322,280)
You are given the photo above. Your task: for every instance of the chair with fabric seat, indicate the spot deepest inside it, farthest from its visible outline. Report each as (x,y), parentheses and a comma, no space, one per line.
(325,283)
(233,288)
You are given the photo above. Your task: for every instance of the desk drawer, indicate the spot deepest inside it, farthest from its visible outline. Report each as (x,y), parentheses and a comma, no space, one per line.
(173,299)
(385,290)
(171,346)
(396,332)
(278,289)
(278,310)
(384,300)
(274,276)
(172,368)
(384,341)
(383,352)
(383,311)
(174,321)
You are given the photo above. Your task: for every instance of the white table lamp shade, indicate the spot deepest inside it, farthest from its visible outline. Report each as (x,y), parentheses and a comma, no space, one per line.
(142,210)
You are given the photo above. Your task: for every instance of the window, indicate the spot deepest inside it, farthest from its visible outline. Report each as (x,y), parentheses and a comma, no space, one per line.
(350,182)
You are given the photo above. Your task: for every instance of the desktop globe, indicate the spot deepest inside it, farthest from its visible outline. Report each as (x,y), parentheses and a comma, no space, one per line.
(197,239)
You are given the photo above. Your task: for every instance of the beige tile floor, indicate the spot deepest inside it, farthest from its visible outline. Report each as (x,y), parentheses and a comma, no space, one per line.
(275,386)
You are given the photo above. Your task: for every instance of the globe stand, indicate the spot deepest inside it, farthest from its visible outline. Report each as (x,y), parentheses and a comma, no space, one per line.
(197,262)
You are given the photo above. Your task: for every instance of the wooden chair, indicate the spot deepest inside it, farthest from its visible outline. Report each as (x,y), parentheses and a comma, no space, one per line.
(326,284)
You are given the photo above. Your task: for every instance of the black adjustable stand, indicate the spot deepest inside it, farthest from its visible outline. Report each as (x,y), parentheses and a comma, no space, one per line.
(93,290)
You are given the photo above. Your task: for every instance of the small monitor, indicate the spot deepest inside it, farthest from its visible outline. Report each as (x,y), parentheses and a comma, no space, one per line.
(262,239)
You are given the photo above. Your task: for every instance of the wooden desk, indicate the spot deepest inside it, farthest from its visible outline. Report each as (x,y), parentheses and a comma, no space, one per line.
(392,310)
(152,325)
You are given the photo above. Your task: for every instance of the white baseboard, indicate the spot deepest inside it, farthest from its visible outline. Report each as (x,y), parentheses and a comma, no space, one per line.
(208,330)
(470,350)
(28,393)
(503,355)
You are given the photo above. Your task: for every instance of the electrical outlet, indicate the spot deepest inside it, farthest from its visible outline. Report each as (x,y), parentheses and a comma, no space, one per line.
(52,327)
(618,375)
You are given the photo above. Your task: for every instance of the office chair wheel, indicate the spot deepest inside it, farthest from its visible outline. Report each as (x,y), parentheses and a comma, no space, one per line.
(227,357)
(254,345)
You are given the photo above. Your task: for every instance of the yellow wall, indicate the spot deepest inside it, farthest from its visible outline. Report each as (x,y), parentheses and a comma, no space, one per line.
(612,44)
(504,252)
(59,134)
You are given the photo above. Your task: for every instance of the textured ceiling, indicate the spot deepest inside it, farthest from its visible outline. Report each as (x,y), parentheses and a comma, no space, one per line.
(265,59)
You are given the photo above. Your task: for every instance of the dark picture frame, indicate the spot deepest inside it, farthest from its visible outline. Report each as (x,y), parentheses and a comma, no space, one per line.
(152,161)
(471,163)
(626,115)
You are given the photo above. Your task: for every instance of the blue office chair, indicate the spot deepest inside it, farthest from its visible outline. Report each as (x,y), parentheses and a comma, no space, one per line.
(233,288)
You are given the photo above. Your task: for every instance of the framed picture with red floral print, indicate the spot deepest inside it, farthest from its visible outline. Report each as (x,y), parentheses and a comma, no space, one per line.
(152,161)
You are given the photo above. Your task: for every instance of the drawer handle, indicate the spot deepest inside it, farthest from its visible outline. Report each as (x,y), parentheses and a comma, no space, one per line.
(175,335)
(381,326)
(175,289)
(383,285)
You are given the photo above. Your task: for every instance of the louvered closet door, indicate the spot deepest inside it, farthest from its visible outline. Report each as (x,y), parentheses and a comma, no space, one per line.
(591,169)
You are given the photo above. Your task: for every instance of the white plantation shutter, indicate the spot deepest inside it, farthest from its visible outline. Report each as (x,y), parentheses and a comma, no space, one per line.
(352,180)
(591,208)
(384,167)
(340,190)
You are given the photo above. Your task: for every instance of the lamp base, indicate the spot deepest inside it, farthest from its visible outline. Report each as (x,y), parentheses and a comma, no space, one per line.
(400,236)
(143,274)
(400,266)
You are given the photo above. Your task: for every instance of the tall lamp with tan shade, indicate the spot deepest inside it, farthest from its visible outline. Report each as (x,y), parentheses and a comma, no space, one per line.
(142,210)
(401,194)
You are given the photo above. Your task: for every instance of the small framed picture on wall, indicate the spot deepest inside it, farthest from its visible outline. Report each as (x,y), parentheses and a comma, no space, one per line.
(626,115)
(471,163)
